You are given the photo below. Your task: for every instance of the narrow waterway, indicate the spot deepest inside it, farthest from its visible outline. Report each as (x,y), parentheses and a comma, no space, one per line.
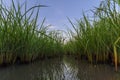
(67,68)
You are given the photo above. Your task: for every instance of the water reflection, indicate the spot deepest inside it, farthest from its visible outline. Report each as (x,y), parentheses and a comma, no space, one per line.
(49,69)
(70,69)
(59,69)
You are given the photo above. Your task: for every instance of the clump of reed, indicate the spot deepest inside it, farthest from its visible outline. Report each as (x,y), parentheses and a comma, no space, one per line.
(21,38)
(98,39)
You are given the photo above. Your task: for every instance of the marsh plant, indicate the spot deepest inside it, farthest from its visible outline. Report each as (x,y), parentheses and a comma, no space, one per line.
(97,38)
(21,38)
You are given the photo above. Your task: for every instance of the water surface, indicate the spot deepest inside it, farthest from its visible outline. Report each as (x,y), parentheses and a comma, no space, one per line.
(67,68)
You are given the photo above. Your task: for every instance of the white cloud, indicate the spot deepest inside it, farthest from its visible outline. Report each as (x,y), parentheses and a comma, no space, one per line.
(50,26)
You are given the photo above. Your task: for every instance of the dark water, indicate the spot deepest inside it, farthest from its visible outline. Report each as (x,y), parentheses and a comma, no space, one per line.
(59,69)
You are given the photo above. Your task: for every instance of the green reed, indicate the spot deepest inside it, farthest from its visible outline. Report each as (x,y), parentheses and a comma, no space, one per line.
(95,39)
(21,38)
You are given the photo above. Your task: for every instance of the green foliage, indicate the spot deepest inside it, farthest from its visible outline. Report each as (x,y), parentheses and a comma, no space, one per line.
(22,38)
(95,39)
(118,1)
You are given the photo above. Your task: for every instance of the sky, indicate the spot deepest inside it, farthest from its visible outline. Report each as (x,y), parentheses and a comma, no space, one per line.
(58,10)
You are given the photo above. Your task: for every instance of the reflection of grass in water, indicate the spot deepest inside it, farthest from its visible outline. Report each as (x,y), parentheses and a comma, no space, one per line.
(97,72)
(70,68)
(58,69)
(54,69)
(70,61)
(51,69)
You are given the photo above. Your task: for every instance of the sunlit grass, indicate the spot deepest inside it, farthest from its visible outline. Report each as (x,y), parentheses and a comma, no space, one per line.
(21,38)
(95,39)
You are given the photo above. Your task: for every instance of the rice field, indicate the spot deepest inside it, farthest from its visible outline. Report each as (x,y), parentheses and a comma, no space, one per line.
(97,39)
(23,39)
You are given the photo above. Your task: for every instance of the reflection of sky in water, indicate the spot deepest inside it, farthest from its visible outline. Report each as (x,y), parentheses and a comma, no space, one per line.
(70,72)
(58,69)
(43,70)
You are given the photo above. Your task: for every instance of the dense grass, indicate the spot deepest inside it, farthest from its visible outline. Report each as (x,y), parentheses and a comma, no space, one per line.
(98,40)
(21,38)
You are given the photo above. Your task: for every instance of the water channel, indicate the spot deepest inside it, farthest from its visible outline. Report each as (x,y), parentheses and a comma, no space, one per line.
(67,68)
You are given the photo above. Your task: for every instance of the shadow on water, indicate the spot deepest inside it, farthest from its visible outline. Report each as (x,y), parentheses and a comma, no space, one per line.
(59,69)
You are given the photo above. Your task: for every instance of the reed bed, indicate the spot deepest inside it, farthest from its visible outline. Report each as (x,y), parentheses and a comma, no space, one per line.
(97,39)
(22,39)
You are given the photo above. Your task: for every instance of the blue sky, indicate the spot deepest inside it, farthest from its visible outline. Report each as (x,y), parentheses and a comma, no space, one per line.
(58,10)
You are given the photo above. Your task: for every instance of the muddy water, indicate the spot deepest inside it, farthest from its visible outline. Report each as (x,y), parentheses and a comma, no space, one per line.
(59,69)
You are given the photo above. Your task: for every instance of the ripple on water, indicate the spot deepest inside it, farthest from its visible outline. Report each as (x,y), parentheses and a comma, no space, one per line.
(59,69)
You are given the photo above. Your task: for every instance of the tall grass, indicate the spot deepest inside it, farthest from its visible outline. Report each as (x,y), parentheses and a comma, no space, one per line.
(21,38)
(96,39)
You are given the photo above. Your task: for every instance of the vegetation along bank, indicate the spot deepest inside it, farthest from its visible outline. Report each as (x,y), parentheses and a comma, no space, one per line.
(96,38)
